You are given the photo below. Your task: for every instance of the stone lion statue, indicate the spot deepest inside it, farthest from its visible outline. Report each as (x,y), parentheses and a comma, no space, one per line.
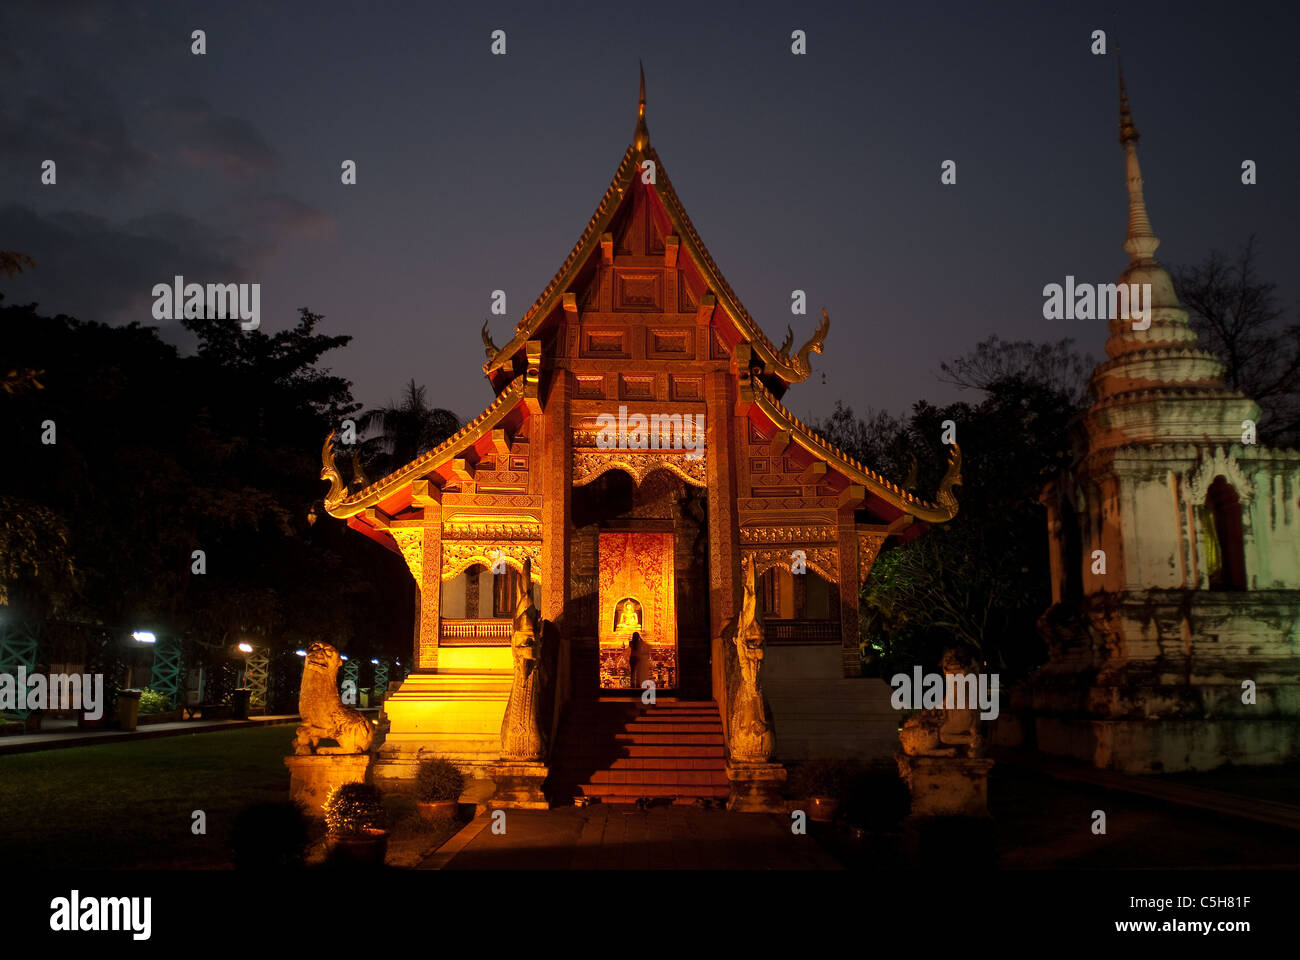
(945,732)
(324,717)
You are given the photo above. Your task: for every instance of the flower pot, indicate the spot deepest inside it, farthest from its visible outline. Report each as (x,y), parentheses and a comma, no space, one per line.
(431,810)
(128,708)
(822,809)
(365,849)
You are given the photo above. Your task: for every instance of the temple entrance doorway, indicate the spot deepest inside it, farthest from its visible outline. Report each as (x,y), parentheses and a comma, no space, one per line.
(638,554)
(638,616)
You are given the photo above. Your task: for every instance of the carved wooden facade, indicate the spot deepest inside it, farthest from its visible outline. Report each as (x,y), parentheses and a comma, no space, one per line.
(638,324)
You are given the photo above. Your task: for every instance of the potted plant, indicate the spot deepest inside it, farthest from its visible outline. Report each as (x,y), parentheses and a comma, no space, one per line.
(128,708)
(156,708)
(354,813)
(438,786)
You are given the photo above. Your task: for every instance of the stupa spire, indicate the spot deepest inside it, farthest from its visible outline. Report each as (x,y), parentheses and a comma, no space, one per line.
(641,139)
(1141,242)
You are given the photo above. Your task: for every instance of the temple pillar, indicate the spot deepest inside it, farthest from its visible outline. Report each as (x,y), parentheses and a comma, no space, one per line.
(721,440)
(849,584)
(430,584)
(556,466)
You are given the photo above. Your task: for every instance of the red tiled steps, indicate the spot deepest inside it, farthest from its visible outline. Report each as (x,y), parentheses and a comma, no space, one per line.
(621,750)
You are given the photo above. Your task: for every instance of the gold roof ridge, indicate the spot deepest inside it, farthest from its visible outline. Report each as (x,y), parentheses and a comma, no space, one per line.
(373,493)
(890,492)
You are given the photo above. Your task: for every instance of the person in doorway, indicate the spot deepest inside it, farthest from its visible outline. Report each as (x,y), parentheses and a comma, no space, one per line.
(638,661)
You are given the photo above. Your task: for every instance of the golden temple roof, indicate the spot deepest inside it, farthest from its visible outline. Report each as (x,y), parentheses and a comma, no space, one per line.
(939,510)
(778,361)
(351,504)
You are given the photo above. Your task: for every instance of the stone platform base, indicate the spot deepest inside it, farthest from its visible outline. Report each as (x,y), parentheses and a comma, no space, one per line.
(1173,744)
(488,783)
(756,787)
(947,786)
(311,778)
(518,785)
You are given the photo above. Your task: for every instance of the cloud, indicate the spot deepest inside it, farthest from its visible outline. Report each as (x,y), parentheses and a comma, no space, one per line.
(202,137)
(92,268)
(283,215)
(86,136)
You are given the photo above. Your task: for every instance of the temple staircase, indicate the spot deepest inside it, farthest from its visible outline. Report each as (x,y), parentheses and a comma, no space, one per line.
(621,750)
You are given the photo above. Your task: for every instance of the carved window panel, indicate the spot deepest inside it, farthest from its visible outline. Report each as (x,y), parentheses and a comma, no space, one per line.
(638,291)
(610,344)
(591,388)
(672,344)
(688,388)
(636,387)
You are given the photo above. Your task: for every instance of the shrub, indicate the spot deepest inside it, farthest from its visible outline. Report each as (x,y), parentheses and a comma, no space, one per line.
(153,702)
(269,836)
(438,779)
(353,808)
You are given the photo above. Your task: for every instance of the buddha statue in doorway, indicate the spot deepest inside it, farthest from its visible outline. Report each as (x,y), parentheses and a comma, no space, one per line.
(628,621)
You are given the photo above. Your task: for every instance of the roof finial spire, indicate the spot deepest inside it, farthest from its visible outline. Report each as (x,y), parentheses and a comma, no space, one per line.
(1141,242)
(642,137)
(1127,129)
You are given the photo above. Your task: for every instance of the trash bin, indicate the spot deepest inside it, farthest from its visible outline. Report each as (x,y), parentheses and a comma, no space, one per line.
(239,702)
(128,708)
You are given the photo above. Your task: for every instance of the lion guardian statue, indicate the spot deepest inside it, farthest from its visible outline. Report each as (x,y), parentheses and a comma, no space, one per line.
(324,717)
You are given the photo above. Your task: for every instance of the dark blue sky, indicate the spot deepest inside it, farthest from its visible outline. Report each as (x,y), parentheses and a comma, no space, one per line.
(478,172)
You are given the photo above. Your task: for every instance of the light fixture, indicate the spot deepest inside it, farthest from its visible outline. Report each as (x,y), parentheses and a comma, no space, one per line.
(374,661)
(300,653)
(245,648)
(144,636)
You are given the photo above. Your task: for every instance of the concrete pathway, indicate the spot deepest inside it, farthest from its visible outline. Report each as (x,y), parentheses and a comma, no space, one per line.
(74,737)
(1273,812)
(621,837)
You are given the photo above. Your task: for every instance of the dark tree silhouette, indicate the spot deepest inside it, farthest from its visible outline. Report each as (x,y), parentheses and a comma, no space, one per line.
(401,431)
(1236,315)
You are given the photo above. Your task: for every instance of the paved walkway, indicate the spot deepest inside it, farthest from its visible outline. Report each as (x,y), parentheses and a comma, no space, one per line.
(74,737)
(621,837)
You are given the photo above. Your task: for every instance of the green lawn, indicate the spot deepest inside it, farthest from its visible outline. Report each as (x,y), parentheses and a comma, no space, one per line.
(129,805)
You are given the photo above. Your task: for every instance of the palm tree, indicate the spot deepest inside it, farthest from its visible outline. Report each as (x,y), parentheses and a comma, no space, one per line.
(403,430)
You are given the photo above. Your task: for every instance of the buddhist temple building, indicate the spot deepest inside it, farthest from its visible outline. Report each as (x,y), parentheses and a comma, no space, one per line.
(636,454)
(1175,552)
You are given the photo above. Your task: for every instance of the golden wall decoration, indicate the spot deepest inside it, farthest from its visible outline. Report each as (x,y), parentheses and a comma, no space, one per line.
(794,534)
(411,543)
(458,555)
(825,560)
(588,464)
(504,528)
(869,545)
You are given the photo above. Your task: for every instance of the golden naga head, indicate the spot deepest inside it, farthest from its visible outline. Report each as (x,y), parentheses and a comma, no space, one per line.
(330,471)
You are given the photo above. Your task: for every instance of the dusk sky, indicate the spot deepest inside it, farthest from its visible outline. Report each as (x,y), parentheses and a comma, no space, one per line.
(477,172)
